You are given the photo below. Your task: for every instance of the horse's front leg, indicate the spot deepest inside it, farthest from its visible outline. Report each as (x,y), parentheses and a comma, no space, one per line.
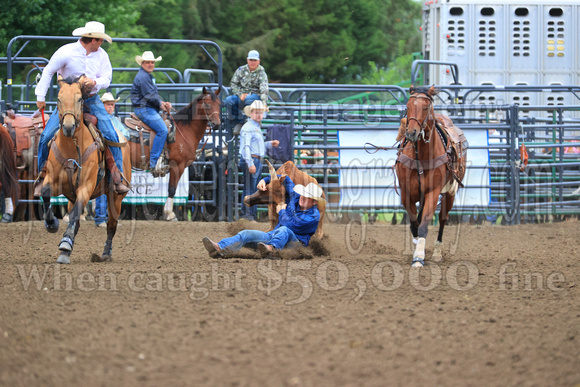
(411,209)
(50,221)
(67,241)
(429,206)
(174,176)
(446,205)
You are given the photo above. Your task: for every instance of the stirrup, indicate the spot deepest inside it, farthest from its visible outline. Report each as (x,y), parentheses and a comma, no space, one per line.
(160,168)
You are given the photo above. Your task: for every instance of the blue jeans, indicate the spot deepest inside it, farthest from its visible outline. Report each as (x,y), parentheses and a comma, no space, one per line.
(250,185)
(152,118)
(234,104)
(101,209)
(95,107)
(279,238)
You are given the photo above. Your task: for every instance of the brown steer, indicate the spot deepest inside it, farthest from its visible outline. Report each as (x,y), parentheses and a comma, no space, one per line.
(276,193)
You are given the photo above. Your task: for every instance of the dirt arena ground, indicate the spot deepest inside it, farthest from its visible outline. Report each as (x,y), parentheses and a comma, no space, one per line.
(502,309)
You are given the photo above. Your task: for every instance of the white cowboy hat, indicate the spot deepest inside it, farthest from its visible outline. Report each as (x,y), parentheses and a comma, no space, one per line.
(108,97)
(93,29)
(147,55)
(256,105)
(312,191)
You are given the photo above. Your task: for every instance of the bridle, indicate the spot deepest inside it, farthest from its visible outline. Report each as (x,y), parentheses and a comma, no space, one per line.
(212,126)
(430,116)
(76,115)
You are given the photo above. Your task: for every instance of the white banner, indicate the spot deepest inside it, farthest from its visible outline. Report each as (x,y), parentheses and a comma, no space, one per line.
(148,189)
(375,170)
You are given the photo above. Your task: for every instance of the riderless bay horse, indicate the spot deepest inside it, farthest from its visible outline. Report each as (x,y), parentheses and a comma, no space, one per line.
(190,126)
(76,169)
(8,173)
(431,163)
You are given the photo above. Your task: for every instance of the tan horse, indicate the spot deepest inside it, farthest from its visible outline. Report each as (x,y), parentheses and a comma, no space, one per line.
(431,162)
(76,169)
(191,123)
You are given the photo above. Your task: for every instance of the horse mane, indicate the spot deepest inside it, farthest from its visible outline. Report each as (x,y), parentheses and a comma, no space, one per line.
(188,113)
(70,79)
(429,91)
(8,175)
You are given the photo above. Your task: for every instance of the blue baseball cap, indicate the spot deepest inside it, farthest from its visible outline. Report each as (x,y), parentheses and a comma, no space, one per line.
(254,55)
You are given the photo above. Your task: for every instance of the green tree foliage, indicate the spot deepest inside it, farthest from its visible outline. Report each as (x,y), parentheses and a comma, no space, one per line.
(60,18)
(300,41)
(395,73)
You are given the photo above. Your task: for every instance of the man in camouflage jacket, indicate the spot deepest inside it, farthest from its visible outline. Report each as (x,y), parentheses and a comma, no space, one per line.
(249,83)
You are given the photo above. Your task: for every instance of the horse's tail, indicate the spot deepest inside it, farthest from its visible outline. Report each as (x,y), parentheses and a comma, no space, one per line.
(8,171)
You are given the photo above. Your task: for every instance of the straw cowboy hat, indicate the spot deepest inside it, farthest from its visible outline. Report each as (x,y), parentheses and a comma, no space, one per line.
(312,191)
(147,55)
(108,97)
(256,105)
(93,29)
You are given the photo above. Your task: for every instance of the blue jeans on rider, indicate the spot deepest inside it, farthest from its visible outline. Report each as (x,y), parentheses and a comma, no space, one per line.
(250,186)
(152,118)
(95,107)
(101,210)
(235,107)
(279,238)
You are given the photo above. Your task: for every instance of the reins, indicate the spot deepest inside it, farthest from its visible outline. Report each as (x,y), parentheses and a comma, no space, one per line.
(378,148)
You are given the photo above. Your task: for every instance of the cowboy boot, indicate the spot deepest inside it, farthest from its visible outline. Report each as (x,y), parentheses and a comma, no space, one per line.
(38,182)
(116,175)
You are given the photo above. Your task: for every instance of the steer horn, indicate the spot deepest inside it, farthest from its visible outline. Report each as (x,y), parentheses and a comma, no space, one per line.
(273,175)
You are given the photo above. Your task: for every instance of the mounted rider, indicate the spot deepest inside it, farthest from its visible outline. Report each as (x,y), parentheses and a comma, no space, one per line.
(84,56)
(146,105)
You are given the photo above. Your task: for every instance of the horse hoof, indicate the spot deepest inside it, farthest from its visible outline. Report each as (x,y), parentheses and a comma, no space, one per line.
(64,258)
(170,216)
(51,227)
(418,262)
(437,257)
(65,246)
(104,258)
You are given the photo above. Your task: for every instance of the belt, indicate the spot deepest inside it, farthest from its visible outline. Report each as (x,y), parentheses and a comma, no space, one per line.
(257,157)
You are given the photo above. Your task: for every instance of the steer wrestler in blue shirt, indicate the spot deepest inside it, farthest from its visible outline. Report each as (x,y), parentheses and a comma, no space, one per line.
(297,222)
